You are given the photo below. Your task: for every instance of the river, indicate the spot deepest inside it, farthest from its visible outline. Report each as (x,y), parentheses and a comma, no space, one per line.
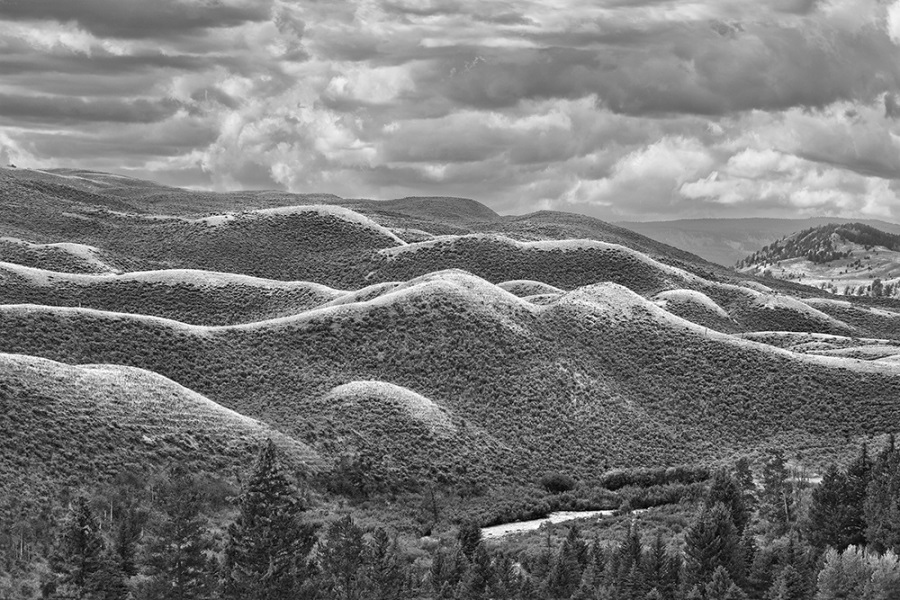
(499,531)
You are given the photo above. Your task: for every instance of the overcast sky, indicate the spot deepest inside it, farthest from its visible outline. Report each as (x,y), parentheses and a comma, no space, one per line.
(621,109)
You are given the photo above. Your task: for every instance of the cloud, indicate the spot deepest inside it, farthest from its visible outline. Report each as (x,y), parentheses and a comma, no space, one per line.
(63,110)
(641,109)
(139,19)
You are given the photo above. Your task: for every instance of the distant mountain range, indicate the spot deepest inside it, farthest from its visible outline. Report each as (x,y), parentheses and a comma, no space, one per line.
(435,338)
(726,241)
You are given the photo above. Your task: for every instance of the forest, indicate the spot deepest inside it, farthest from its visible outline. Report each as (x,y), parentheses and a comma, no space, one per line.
(762,534)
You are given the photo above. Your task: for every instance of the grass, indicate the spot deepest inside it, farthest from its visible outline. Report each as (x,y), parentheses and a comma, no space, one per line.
(575,387)
(64,425)
(195,297)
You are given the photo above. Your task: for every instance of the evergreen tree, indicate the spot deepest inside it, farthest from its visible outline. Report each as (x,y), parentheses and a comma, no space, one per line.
(480,581)
(128,533)
(79,554)
(469,536)
(385,575)
(695,593)
(775,498)
(743,474)
(565,574)
(844,575)
(884,581)
(859,475)
(720,585)
(725,489)
(579,547)
(590,581)
(448,568)
(674,570)
(268,545)
(177,560)
(882,504)
(628,555)
(108,582)
(710,542)
(736,593)
(507,579)
(341,559)
(528,590)
(790,585)
(829,522)
(653,565)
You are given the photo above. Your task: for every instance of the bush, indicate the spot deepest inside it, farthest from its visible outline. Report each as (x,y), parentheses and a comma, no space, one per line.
(557,483)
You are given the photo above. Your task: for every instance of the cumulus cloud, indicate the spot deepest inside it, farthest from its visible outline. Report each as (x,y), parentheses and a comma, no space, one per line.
(640,109)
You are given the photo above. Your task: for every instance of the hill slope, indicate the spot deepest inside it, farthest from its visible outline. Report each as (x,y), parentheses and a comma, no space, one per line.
(601,376)
(843,258)
(67,425)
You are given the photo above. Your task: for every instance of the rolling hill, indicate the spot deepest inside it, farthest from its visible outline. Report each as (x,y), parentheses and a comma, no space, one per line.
(454,344)
(69,424)
(847,259)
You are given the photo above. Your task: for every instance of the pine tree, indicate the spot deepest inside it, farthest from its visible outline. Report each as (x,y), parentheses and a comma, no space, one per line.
(506,585)
(674,570)
(653,565)
(859,475)
(79,554)
(719,586)
(629,553)
(579,547)
(882,504)
(775,499)
(341,558)
(743,474)
(736,593)
(177,560)
(884,582)
(725,489)
(565,574)
(384,575)
(448,569)
(790,585)
(469,536)
(590,581)
(710,542)
(266,555)
(843,575)
(108,582)
(128,533)
(480,581)
(829,521)
(695,593)
(528,590)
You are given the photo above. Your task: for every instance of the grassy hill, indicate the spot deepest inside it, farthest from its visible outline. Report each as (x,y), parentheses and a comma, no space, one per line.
(430,338)
(67,425)
(601,377)
(191,296)
(847,259)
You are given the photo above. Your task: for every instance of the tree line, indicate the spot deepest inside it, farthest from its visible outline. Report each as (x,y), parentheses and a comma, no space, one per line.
(766,537)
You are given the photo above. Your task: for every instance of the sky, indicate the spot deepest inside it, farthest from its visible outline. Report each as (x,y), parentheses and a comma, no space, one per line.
(627,110)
